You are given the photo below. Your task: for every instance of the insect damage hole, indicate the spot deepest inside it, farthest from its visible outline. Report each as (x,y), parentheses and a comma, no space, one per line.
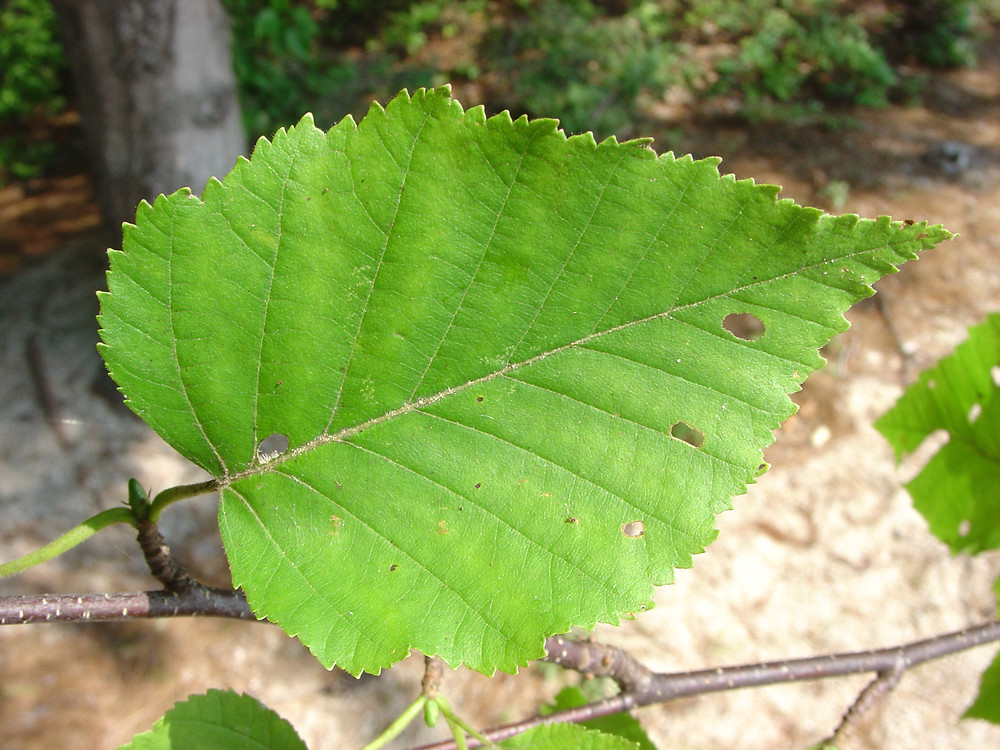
(633,529)
(690,435)
(271,447)
(744,326)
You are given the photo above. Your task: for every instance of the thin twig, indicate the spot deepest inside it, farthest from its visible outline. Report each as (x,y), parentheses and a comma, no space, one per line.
(877,689)
(161,563)
(430,686)
(614,705)
(589,657)
(640,686)
(196,601)
(660,688)
(42,392)
(184,596)
(905,357)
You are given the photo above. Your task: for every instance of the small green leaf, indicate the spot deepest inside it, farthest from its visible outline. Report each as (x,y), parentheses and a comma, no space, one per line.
(218,720)
(958,491)
(622,725)
(568,737)
(498,358)
(138,499)
(987,703)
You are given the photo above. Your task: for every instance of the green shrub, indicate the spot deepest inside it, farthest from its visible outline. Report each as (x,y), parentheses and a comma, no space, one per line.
(290,56)
(592,70)
(599,65)
(806,58)
(595,64)
(32,66)
(32,83)
(938,33)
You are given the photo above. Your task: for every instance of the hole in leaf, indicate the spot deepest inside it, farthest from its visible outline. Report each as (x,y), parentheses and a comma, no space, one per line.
(964,528)
(974,411)
(687,433)
(633,529)
(744,326)
(271,447)
(995,375)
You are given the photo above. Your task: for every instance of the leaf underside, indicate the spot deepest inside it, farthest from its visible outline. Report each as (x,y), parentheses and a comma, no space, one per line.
(957,491)
(488,347)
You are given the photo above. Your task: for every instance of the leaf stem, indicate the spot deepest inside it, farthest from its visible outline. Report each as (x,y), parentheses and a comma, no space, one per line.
(172,495)
(458,725)
(69,540)
(401,722)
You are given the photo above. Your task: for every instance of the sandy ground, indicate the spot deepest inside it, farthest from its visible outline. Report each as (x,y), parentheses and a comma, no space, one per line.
(824,554)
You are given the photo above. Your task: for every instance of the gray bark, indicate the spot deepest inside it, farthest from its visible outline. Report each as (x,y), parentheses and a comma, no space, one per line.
(157,95)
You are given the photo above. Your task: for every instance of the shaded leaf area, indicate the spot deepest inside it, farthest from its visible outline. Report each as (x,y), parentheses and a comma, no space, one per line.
(563,736)
(499,360)
(623,725)
(218,720)
(957,490)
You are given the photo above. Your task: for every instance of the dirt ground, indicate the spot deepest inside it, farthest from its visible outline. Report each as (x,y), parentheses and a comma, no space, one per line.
(824,554)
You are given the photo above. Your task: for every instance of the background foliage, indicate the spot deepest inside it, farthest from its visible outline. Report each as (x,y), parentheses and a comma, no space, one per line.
(32,83)
(601,65)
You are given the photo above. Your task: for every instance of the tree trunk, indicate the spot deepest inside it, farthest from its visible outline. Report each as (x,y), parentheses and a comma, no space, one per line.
(157,95)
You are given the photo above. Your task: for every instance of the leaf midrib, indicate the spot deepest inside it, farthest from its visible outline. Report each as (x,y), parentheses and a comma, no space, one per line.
(347,432)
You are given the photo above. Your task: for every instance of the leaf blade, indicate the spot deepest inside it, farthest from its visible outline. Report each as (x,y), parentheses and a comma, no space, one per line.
(491,333)
(956,490)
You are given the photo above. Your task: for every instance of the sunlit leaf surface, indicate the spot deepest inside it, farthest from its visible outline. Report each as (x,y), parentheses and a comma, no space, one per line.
(508,374)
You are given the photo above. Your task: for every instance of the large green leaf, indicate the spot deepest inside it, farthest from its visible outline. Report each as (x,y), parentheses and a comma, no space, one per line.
(958,491)
(218,720)
(499,358)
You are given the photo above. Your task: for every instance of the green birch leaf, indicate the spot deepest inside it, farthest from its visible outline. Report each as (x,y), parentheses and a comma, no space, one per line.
(958,491)
(987,703)
(623,725)
(500,358)
(218,720)
(567,737)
